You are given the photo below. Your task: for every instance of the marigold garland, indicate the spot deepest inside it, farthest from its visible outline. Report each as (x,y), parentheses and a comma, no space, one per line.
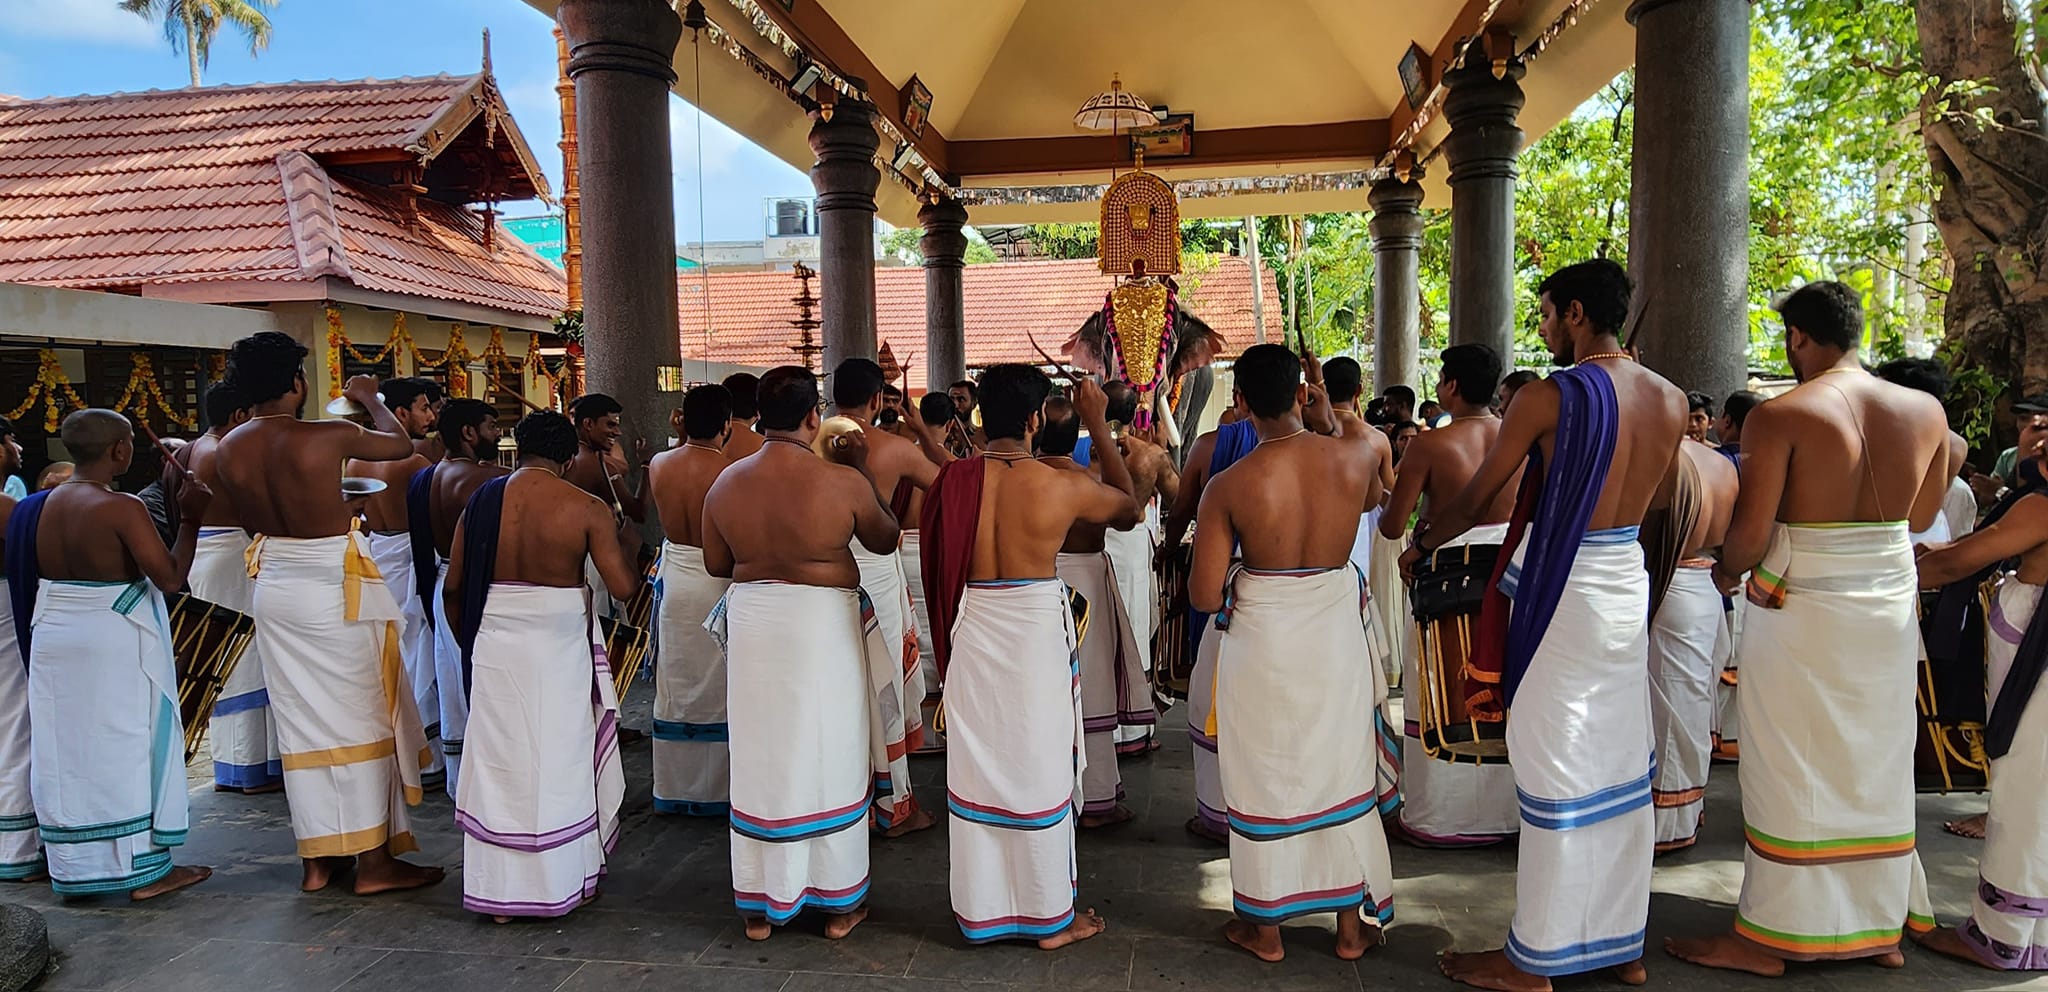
(454,359)
(51,385)
(142,391)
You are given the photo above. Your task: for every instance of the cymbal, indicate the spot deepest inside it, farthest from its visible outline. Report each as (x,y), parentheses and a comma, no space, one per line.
(829,443)
(353,486)
(342,406)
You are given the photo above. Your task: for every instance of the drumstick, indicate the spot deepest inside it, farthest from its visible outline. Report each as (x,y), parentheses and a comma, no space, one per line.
(531,405)
(1059,367)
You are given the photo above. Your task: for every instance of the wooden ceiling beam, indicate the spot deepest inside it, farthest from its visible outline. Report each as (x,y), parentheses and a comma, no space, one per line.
(1365,139)
(813,28)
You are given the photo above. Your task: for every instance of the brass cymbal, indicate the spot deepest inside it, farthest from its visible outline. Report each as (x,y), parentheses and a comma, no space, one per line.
(830,444)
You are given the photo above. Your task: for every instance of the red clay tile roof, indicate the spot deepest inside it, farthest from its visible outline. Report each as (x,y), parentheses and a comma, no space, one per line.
(227,183)
(1008,304)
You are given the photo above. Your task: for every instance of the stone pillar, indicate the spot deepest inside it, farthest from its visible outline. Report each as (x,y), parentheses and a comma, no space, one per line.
(944,246)
(1396,293)
(845,178)
(1689,201)
(620,55)
(1485,95)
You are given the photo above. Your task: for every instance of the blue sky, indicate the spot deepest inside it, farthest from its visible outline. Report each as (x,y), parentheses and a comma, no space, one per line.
(68,47)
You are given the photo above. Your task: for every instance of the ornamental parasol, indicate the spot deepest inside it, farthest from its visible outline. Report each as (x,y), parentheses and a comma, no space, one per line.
(1113,109)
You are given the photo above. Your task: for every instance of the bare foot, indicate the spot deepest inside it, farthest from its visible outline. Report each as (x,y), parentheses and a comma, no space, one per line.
(1354,935)
(180,877)
(1971,827)
(1263,942)
(1632,973)
(264,790)
(1200,828)
(1086,924)
(377,871)
(757,927)
(838,925)
(1893,958)
(1120,814)
(501,920)
(1945,940)
(920,819)
(40,875)
(1725,950)
(320,872)
(1490,970)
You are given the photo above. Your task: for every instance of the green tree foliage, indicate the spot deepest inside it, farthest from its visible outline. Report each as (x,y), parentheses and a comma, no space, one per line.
(191,25)
(902,244)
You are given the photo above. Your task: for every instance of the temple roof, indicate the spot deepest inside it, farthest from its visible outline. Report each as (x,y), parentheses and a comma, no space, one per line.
(226,193)
(1302,102)
(1008,305)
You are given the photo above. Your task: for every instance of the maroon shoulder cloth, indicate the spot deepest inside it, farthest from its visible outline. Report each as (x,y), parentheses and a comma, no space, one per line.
(899,501)
(951,518)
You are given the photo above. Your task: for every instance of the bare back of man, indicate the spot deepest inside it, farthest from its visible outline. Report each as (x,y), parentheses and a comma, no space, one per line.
(677,481)
(1851,448)
(1719,483)
(201,459)
(787,515)
(1028,511)
(454,482)
(1652,420)
(547,528)
(743,441)
(384,513)
(1352,427)
(1297,502)
(1442,462)
(283,474)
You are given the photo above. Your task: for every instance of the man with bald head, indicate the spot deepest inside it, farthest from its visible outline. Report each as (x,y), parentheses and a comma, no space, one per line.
(88,573)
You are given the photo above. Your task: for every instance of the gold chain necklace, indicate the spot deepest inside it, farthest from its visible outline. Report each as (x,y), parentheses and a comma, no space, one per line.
(536,468)
(1625,356)
(1274,440)
(702,447)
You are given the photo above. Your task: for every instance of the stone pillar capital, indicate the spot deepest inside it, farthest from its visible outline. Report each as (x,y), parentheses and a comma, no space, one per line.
(944,243)
(637,36)
(1481,107)
(1396,212)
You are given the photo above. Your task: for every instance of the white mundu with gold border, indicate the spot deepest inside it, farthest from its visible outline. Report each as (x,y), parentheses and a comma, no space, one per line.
(327,629)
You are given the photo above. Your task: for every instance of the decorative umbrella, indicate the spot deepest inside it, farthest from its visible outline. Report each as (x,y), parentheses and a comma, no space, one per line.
(1114,108)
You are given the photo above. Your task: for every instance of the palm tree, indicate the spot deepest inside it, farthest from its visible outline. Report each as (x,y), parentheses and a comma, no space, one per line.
(190,25)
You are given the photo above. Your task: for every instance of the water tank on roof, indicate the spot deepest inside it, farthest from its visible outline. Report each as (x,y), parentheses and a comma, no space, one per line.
(790,218)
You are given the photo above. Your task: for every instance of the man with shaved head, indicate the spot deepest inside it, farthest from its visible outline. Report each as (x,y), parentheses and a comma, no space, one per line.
(88,573)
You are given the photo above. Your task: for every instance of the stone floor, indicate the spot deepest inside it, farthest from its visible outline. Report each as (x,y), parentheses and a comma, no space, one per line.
(666,922)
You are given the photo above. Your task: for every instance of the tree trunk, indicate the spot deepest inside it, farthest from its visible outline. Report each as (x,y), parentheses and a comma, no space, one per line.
(192,43)
(1989,155)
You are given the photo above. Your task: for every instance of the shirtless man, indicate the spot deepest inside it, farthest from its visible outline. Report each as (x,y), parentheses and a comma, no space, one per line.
(690,759)
(385,511)
(242,733)
(1448,803)
(780,525)
(469,438)
(1009,695)
(1581,663)
(283,475)
(743,440)
(897,466)
(1113,687)
(91,677)
(526,632)
(601,470)
(1689,640)
(1835,474)
(1300,777)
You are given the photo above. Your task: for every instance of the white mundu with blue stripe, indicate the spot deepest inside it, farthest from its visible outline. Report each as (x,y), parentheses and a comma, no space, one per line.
(108,767)
(21,849)
(1013,759)
(241,732)
(1579,738)
(1295,693)
(691,768)
(797,719)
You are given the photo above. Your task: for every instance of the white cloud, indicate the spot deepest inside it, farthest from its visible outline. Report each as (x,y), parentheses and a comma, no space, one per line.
(97,22)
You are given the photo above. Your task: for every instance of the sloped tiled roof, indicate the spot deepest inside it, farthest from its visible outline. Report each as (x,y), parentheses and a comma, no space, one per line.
(1008,304)
(238,183)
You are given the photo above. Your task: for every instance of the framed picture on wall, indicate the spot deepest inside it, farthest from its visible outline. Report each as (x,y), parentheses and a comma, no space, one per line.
(1172,137)
(917,106)
(1415,75)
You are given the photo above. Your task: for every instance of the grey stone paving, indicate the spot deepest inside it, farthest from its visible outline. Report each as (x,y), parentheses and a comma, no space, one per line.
(665,921)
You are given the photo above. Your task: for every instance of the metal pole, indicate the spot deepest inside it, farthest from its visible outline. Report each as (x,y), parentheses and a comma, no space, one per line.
(1251,251)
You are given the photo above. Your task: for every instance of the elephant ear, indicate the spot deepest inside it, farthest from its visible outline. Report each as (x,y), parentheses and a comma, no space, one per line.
(1087,348)
(1193,332)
